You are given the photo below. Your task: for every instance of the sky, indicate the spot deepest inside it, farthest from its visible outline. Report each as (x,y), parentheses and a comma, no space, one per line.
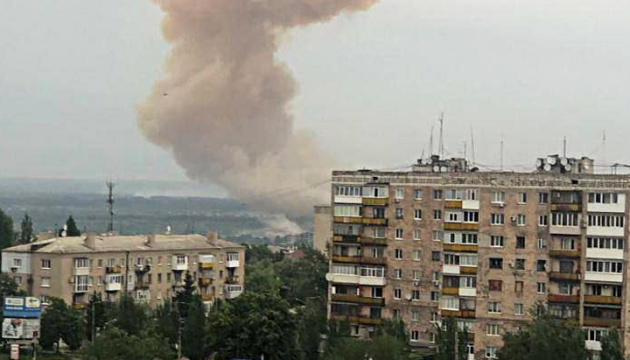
(371,84)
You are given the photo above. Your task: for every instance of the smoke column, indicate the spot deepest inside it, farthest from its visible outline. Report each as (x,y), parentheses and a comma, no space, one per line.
(222,106)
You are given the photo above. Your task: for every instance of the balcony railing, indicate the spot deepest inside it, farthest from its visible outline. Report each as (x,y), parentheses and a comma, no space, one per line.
(461,226)
(348,219)
(461,248)
(568,254)
(450,291)
(375,221)
(358,299)
(603,300)
(468,270)
(363,320)
(372,241)
(601,322)
(113,270)
(360,260)
(453,204)
(561,276)
(568,299)
(566,207)
(375,201)
(346,238)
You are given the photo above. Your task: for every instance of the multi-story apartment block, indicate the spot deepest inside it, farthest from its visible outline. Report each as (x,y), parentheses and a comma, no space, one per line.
(149,268)
(483,247)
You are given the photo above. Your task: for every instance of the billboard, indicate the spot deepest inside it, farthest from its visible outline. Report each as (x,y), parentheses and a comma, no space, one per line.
(21,307)
(20,329)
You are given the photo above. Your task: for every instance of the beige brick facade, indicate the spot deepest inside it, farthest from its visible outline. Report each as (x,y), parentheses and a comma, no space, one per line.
(483,247)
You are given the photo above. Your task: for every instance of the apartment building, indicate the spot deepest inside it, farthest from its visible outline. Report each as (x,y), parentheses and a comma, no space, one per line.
(149,268)
(483,247)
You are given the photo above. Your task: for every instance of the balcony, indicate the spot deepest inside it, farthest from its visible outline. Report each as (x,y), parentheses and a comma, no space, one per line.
(232,263)
(561,276)
(357,279)
(348,219)
(565,230)
(375,221)
(113,282)
(232,291)
(566,207)
(564,299)
(607,254)
(372,241)
(113,270)
(602,300)
(450,291)
(346,238)
(451,313)
(604,277)
(80,306)
(363,320)
(468,270)
(461,226)
(601,322)
(450,269)
(360,260)
(468,314)
(375,201)
(206,262)
(565,254)
(453,204)
(358,299)
(85,271)
(461,248)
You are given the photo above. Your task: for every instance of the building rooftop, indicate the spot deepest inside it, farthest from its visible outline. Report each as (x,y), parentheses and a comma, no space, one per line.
(118,243)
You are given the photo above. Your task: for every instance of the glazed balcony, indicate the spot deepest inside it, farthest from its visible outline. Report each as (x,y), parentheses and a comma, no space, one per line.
(358,299)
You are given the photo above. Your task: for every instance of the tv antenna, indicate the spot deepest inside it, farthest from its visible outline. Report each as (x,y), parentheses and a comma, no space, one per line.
(502,145)
(441,148)
(472,145)
(110,202)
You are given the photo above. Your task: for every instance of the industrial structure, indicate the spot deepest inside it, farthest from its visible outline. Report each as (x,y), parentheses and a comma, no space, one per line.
(150,268)
(486,248)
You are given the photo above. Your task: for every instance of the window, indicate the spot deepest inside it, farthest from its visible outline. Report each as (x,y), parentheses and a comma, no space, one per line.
(496,241)
(521,220)
(543,220)
(378,232)
(494,307)
(347,210)
(181,259)
(415,315)
(398,234)
(565,289)
(470,238)
(603,198)
(495,285)
(398,254)
(496,263)
(471,194)
(497,219)
(565,219)
(417,214)
(453,216)
(398,273)
(520,242)
(498,197)
(111,262)
(415,295)
(415,335)
(491,352)
(397,294)
(519,264)
(17,262)
(602,266)
(417,255)
(468,260)
(437,194)
(604,243)
(400,213)
(450,303)
(541,265)
(417,194)
(46,263)
(356,191)
(468,282)
(159,277)
(518,287)
(453,194)
(471,217)
(541,287)
(596,335)
(493,329)
(81,263)
(518,309)
(438,235)
(606,220)
(417,234)
(616,290)
(435,296)
(541,243)
(45,282)
(417,275)
(378,212)
(435,256)
(396,314)
(522,198)
(451,259)
(543,198)
(400,193)
(437,214)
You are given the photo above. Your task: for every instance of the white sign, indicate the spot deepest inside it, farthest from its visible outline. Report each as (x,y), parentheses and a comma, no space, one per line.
(12,329)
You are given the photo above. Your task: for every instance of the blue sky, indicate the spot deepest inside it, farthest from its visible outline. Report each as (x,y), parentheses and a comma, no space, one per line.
(534,71)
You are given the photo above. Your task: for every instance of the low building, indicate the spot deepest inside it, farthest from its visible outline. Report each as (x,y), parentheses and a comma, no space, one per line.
(323,228)
(149,268)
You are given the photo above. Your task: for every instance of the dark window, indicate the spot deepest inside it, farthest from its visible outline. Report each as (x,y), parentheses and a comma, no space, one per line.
(520,242)
(519,264)
(495,285)
(518,286)
(541,265)
(436,256)
(496,263)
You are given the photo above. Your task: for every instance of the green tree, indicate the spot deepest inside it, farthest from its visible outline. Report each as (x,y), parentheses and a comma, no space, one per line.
(185,297)
(193,333)
(26,229)
(167,321)
(60,322)
(348,349)
(8,286)
(304,278)
(254,325)
(544,338)
(7,233)
(95,311)
(73,229)
(262,277)
(116,344)
(129,316)
(312,324)
(612,346)
(387,347)
(451,343)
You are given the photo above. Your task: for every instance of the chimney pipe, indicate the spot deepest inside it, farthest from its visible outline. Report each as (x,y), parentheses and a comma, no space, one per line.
(213,236)
(151,240)
(90,240)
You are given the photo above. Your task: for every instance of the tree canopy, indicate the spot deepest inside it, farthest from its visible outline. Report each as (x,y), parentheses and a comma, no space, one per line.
(71,227)
(26,229)
(7,233)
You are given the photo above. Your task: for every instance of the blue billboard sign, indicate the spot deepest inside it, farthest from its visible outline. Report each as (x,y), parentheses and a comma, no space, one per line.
(21,307)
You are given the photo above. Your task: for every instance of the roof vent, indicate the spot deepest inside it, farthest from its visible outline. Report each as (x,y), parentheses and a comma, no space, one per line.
(151,240)
(90,240)
(213,236)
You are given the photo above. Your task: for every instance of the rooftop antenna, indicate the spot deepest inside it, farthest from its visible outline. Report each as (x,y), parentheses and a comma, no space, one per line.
(431,141)
(110,202)
(472,144)
(564,147)
(465,149)
(441,148)
(604,147)
(502,152)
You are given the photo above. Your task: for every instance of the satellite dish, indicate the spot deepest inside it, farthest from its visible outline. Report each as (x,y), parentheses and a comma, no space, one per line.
(552,160)
(564,161)
(444,169)
(547,167)
(436,168)
(568,167)
(539,163)
(408,297)
(586,166)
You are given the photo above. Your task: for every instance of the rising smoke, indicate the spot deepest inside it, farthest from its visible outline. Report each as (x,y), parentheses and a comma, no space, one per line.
(222,107)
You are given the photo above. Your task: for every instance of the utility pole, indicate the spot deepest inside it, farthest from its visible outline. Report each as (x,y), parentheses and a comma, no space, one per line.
(110,202)
(441,148)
